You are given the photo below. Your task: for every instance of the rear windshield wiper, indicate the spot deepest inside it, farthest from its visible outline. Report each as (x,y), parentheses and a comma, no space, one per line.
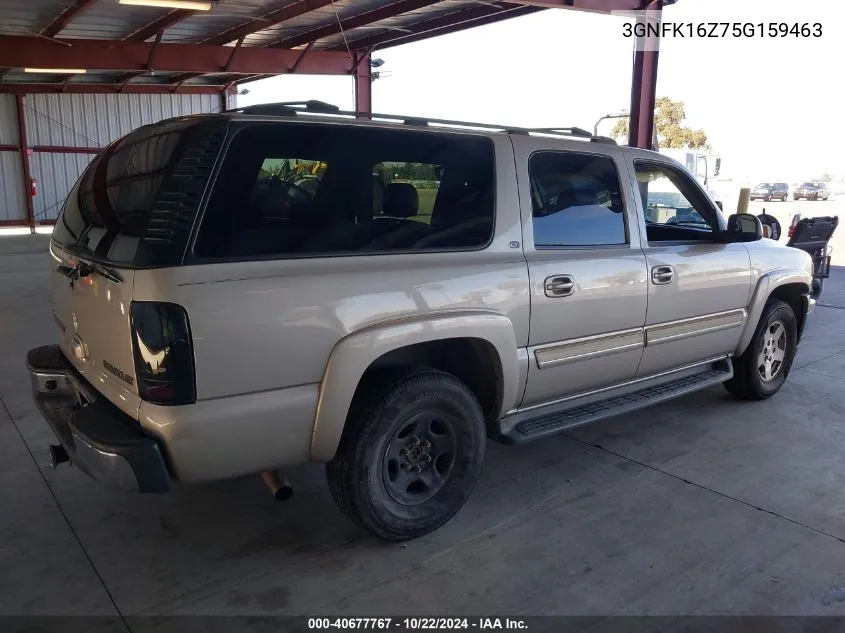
(84,268)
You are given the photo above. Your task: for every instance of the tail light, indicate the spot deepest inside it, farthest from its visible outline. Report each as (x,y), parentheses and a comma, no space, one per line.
(792,226)
(164,353)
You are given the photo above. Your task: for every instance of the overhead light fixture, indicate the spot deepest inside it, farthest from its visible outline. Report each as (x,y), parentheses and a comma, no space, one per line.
(53,71)
(170,4)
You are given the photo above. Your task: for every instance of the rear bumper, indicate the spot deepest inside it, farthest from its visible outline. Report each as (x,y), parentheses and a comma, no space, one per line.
(99,438)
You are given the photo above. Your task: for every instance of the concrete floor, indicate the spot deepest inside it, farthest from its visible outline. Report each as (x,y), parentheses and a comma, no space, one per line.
(701,506)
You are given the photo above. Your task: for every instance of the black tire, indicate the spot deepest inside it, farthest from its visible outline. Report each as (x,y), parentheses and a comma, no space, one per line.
(817,287)
(381,490)
(748,382)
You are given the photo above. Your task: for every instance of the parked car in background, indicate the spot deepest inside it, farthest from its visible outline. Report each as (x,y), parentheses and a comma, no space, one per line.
(769,191)
(811,191)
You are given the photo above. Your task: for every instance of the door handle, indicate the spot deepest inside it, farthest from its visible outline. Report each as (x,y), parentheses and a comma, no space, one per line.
(559,286)
(662,275)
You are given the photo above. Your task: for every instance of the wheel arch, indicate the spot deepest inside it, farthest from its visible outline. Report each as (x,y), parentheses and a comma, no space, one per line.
(450,342)
(791,286)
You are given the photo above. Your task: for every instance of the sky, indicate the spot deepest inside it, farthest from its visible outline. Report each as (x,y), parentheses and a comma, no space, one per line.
(771,107)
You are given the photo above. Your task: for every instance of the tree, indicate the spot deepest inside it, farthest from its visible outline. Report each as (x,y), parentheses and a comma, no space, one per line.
(669,117)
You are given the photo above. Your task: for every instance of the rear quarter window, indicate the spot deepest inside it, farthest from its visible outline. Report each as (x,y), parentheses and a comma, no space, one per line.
(140,194)
(311,190)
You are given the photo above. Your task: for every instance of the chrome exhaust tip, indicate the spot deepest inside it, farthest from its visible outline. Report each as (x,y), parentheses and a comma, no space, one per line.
(280,488)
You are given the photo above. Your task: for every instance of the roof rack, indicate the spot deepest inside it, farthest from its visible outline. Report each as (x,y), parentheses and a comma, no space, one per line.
(288,108)
(294,108)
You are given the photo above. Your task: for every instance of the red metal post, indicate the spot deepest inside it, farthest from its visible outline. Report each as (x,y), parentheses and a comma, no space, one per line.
(27,176)
(363,73)
(644,80)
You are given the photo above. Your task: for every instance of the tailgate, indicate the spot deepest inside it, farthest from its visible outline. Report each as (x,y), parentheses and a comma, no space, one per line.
(92,315)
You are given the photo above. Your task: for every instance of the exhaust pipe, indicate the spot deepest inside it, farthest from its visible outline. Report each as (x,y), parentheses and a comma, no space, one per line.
(281,488)
(58,455)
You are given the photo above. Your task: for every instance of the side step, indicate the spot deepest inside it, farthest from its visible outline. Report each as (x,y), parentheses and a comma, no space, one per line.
(535,424)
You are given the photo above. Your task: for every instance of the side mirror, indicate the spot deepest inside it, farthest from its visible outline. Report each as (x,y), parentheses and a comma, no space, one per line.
(717,167)
(743,227)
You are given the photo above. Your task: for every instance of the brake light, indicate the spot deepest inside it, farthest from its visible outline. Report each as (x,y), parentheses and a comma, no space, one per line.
(164,353)
(792,226)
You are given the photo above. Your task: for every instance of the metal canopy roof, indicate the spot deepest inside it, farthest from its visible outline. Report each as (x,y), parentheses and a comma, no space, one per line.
(139,49)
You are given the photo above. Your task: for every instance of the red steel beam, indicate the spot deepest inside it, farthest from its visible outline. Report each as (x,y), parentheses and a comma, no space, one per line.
(644,85)
(270,19)
(27,176)
(9,148)
(59,23)
(370,17)
(35,52)
(65,149)
(441,25)
(159,25)
(87,88)
(602,6)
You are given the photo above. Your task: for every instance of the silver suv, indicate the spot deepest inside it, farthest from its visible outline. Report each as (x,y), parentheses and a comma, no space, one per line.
(243,292)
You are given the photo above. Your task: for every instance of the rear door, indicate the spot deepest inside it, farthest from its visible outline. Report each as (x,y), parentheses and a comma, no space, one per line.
(587,271)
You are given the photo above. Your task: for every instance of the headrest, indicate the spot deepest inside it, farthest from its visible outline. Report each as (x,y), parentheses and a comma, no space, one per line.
(401,200)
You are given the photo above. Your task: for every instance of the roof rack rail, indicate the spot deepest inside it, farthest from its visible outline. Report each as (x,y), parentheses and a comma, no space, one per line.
(288,108)
(292,108)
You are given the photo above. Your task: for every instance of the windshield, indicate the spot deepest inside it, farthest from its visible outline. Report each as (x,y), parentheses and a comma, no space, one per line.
(763,185)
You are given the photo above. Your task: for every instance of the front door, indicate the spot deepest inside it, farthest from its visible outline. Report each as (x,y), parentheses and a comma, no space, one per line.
(698,287)
(586,268)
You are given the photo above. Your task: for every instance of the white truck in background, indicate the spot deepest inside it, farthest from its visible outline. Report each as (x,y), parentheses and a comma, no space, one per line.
(705,167)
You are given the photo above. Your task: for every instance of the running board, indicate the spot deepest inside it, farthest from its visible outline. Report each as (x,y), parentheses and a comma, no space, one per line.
(550,420)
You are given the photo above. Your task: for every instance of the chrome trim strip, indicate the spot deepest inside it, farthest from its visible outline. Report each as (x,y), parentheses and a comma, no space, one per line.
(686,328)
(554,354)
(592,392)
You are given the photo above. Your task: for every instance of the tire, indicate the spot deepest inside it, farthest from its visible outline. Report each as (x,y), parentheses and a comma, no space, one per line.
(817,287)
(777,322)
(393,473)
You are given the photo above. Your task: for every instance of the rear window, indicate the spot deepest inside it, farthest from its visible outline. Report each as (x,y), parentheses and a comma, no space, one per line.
(133,198)
(308,190)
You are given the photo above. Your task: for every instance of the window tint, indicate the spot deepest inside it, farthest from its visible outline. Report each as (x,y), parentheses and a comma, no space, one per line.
(576,200)
(674,208)
(424,177)
(310,190)
(108,210)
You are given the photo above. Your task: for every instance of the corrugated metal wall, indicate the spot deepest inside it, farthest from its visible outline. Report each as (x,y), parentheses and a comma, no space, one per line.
(8,120)
(56,174)
(74,120)
(79,120)
(12,201)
